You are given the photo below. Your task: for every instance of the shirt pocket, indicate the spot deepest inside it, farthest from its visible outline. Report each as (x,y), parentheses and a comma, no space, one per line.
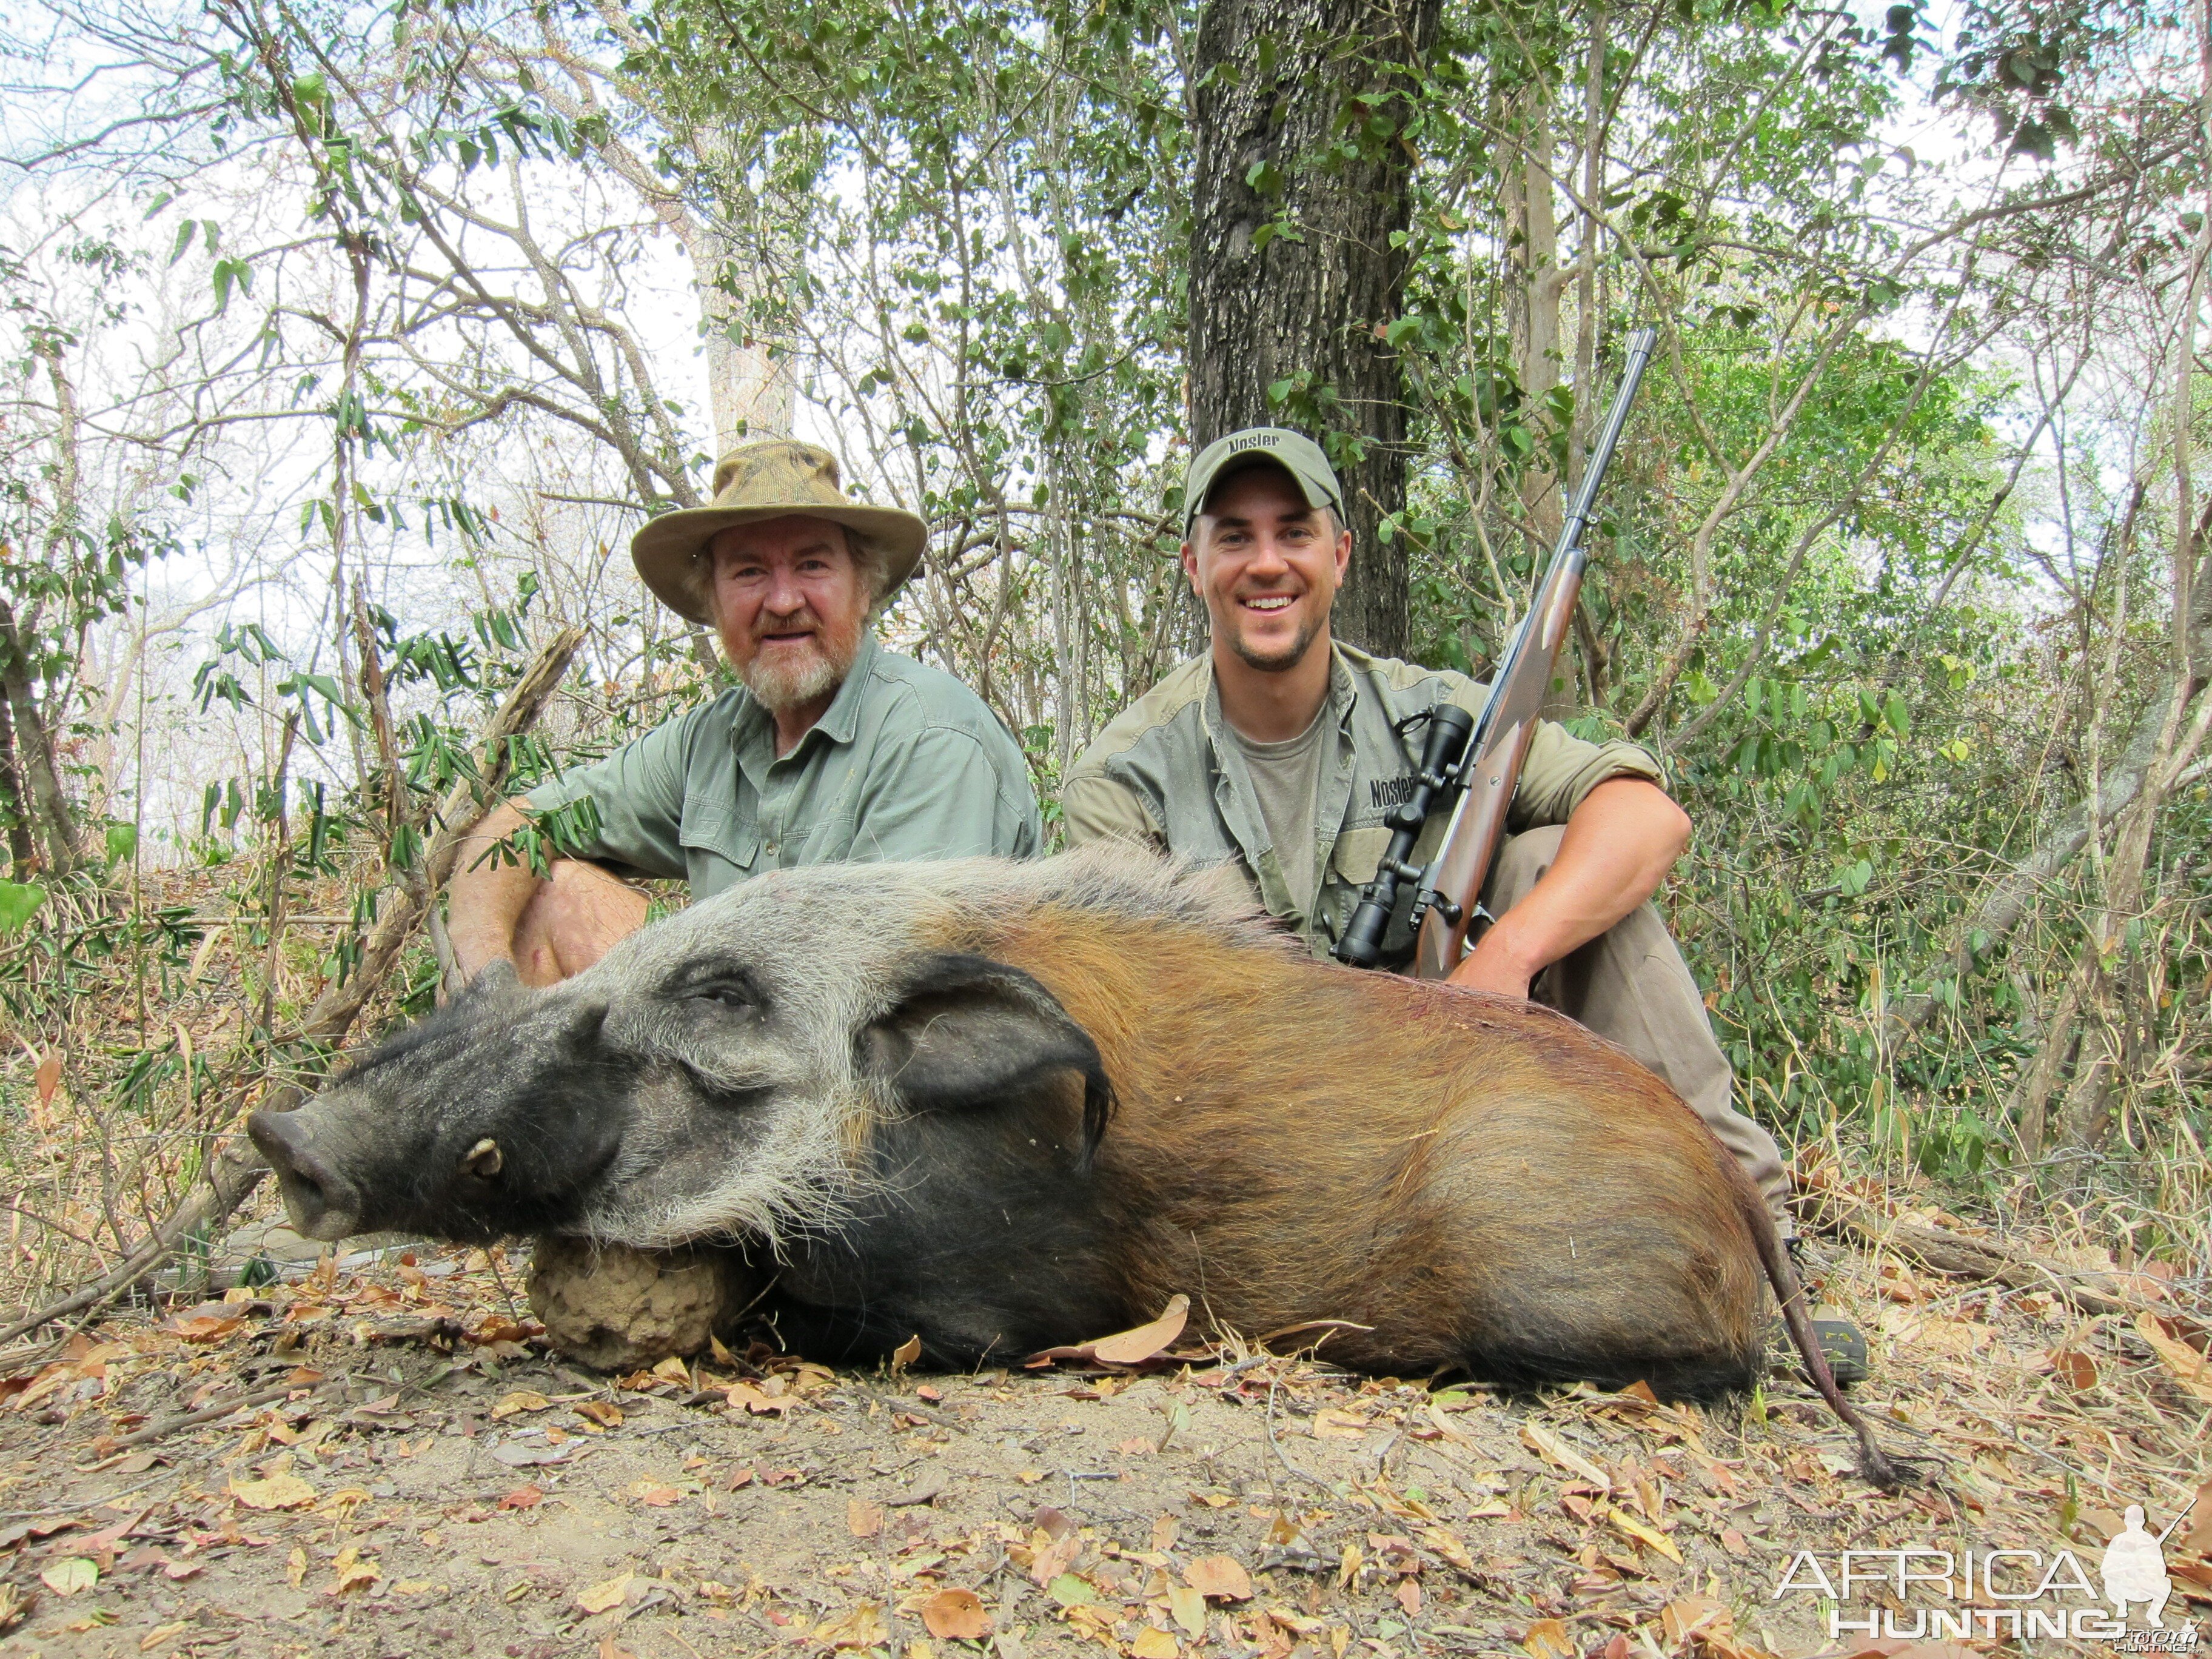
(719,849)
(1356,854)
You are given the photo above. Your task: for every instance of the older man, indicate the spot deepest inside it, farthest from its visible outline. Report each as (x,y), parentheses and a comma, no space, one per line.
(1283,752)
(834,748)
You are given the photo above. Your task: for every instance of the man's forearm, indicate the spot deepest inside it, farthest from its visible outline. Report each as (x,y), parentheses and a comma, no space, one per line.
(1617,847)
(486,898)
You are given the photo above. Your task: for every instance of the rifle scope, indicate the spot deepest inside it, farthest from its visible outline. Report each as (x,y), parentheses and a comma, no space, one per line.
(1441,759)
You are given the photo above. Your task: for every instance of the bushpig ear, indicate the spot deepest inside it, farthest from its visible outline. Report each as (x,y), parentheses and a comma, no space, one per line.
(967,1029)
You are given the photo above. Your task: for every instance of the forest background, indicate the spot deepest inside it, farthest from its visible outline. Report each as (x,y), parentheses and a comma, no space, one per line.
(343,347)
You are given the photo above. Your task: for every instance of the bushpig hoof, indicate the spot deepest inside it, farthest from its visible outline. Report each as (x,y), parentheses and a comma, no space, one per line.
(617,1309)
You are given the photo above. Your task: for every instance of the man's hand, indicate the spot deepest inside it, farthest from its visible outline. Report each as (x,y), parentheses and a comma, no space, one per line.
(1619,846)
(1490,967)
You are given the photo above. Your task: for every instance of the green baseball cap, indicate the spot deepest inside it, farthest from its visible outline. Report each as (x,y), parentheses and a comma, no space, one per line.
(1275,445)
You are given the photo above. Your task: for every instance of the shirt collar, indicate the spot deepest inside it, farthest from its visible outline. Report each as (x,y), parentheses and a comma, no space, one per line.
(841,722)
(1343,694)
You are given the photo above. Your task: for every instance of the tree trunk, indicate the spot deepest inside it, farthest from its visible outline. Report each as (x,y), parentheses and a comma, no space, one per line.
(21,853)
(1293,273)
(34,750)
(1534,283)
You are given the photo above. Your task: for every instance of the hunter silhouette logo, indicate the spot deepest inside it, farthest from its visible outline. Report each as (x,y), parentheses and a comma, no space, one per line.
(2133,1568)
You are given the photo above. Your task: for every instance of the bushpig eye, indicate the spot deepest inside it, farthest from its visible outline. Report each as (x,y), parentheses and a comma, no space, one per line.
(726,995)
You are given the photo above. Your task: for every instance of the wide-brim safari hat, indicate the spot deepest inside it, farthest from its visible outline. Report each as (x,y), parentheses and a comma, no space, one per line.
(771,479)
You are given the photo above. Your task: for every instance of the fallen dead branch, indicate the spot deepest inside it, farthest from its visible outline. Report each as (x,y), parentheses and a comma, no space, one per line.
(1941,1250)
(162,1427)
(234,1169)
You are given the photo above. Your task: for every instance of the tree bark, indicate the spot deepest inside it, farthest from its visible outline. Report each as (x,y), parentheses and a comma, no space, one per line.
(1534,283)
(1293,274)
(34,750)
(22,855)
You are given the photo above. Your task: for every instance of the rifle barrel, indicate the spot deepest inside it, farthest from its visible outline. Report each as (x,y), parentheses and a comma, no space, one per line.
(1448,908)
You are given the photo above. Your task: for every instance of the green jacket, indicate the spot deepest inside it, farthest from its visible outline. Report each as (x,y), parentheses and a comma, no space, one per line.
(1162,773)
(905,763)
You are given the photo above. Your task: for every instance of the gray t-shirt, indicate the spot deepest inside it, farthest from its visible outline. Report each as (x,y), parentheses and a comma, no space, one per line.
(1164,773)
(1286,779)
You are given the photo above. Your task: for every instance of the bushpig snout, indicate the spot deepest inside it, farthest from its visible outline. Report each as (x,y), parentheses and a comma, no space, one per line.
(321,1202)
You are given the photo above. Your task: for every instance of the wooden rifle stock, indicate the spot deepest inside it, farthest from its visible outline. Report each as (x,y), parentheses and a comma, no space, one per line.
(1447,907)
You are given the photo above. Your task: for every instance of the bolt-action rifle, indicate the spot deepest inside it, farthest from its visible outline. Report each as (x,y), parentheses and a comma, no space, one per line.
(1478,759)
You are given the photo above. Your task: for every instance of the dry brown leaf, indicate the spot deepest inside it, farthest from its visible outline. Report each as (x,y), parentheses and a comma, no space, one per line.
(906,1353)
(160,1633)
(352,1573)
(956,1615)
(601,1597)
(1334,1422)
(522,1400)
(1446,1544)
(1547,1638)
(1055,1559)
(49,1077)
(862,1518)
(1153,1643)
(863,1628)
(1409,1596)
(1694,1616)
(1130,1347)
(604,1413)
(759,1402)
(1649,1537)
(2074,1369)
(206,1327)
(655,1495)
(672,1370)
(278,1492)
(1537,1438)
(523,1497)
(1219,1577)
(2190,1369)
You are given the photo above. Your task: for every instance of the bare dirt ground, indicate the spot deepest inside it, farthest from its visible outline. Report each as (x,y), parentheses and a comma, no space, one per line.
(386,1463)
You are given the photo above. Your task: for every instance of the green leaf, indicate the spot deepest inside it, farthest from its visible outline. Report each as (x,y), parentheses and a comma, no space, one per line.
(71,1575)
(19,902)
(227,271)
(1070,1591)
(122,843)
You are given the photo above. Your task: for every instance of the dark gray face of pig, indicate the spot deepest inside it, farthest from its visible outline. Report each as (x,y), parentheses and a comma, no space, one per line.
(488,1118)
(715,1076)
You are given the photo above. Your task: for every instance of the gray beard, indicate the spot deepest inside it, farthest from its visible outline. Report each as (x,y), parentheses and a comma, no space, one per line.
(780,690)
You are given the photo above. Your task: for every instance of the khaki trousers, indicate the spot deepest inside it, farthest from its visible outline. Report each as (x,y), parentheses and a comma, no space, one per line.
(1631,985)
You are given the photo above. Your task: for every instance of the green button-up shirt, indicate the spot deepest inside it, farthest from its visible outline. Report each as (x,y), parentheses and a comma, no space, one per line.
(906,763)
(1165,772)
